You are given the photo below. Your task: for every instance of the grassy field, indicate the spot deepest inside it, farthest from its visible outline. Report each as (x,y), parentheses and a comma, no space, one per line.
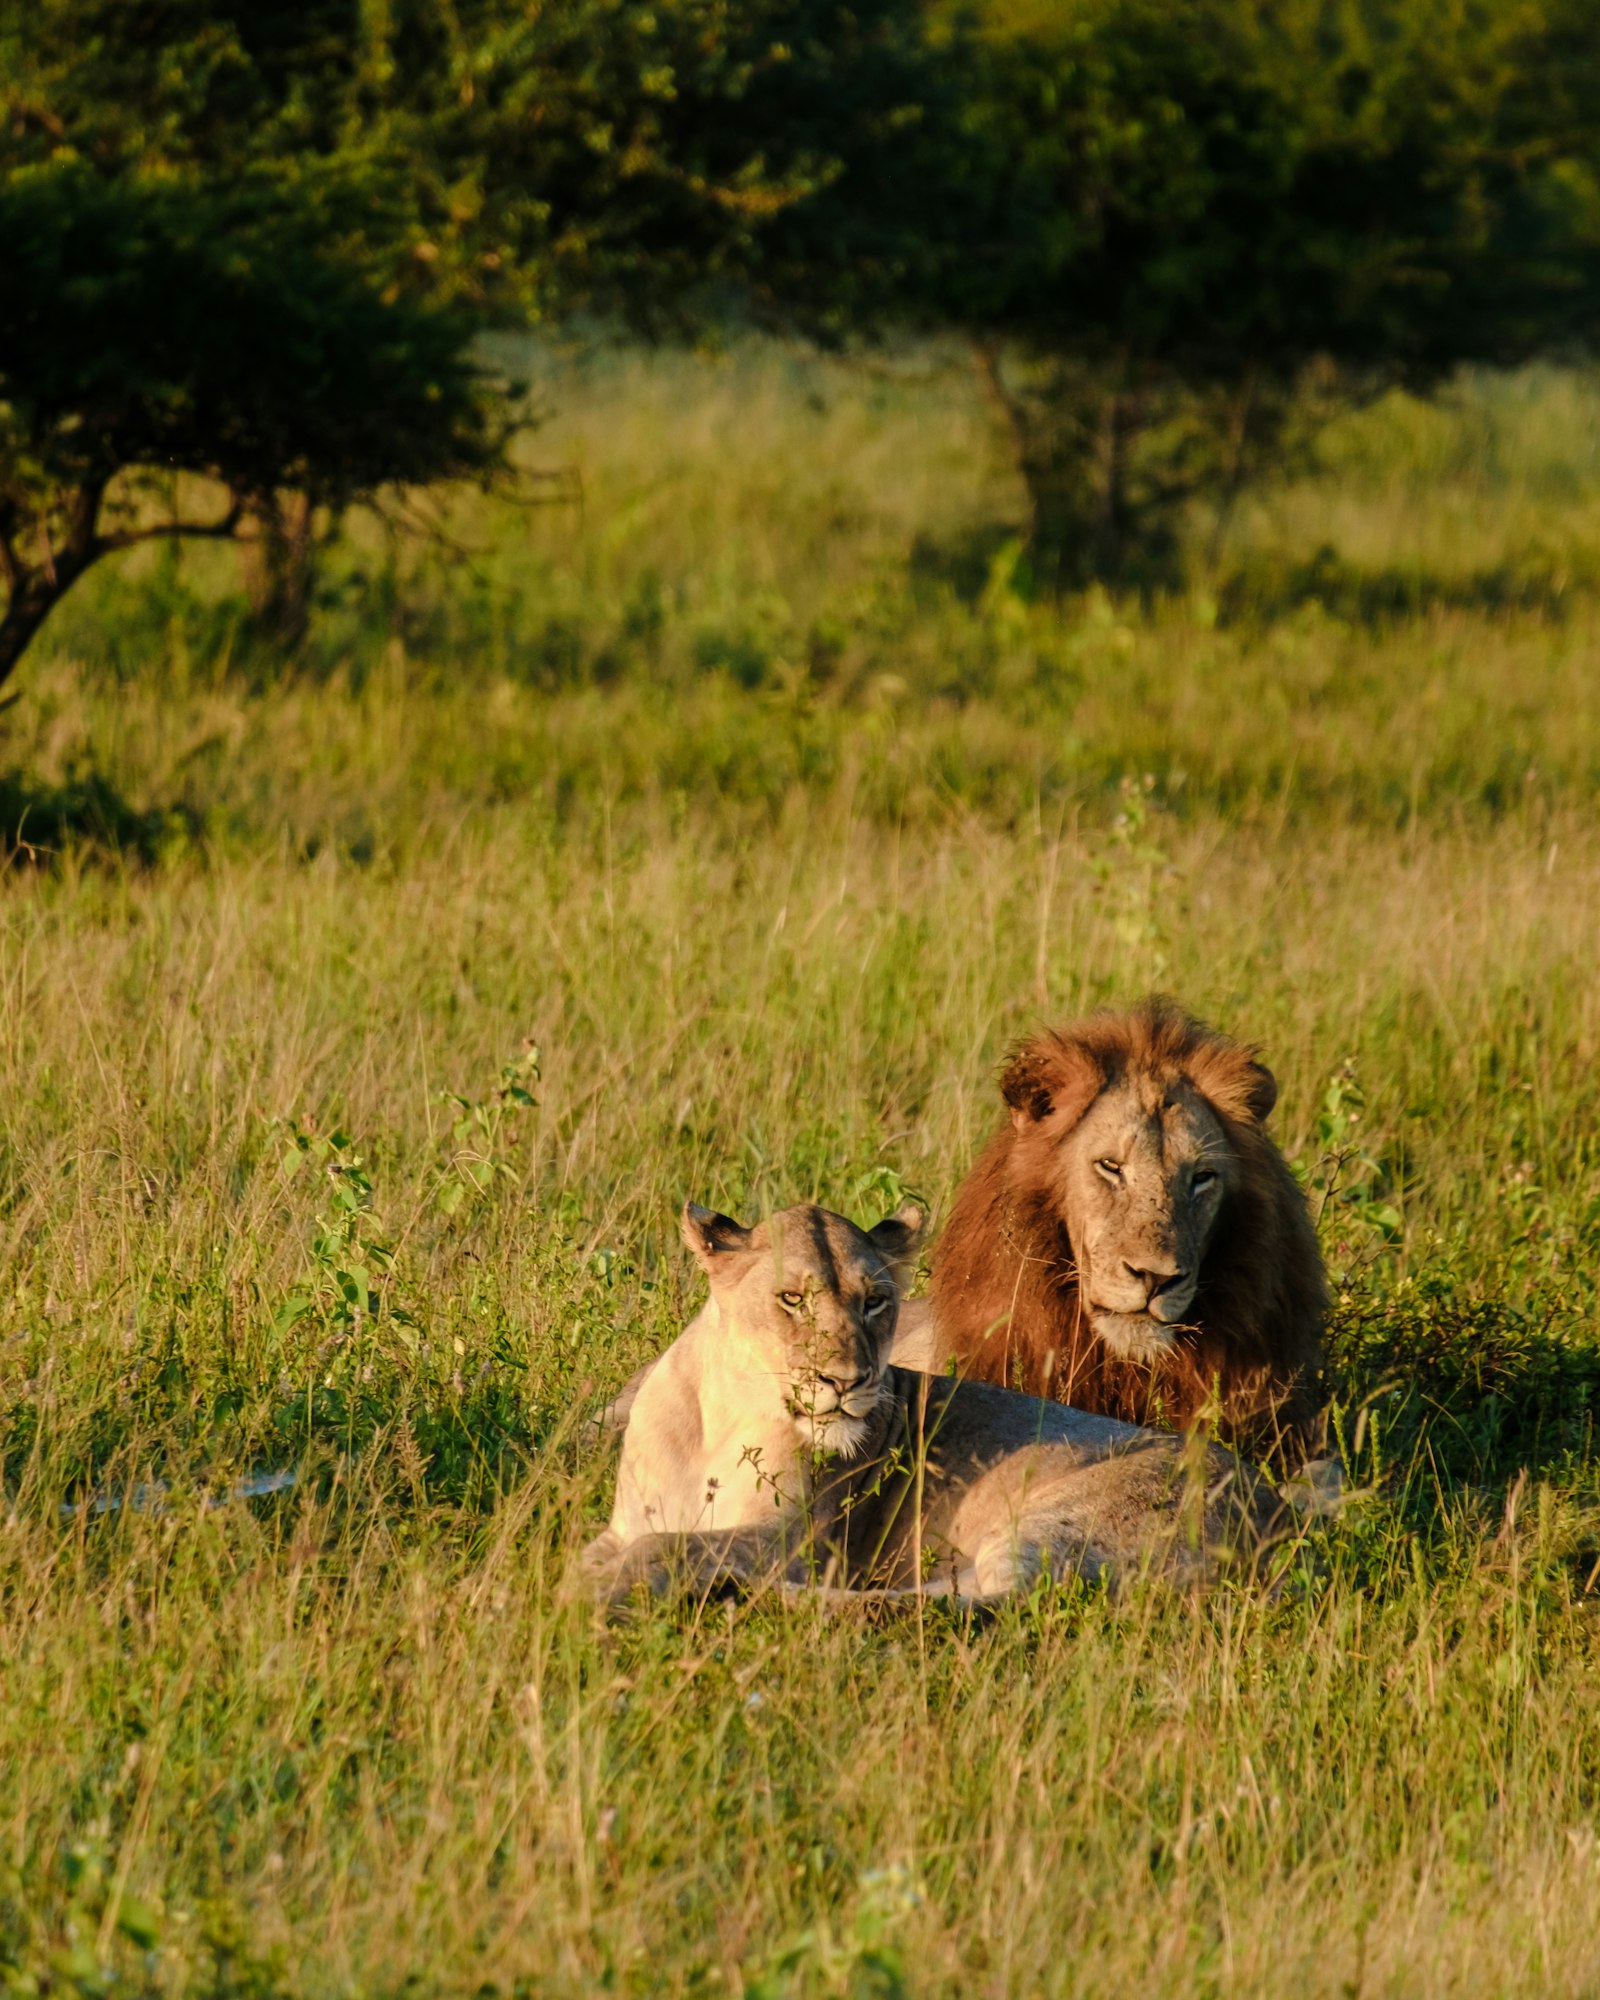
(751,783)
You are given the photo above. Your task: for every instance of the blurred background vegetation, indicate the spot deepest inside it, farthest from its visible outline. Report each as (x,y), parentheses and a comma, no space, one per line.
(253,253)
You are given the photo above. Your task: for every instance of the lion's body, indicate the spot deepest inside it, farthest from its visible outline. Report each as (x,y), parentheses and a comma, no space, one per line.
(949,1487)
(1043,1231)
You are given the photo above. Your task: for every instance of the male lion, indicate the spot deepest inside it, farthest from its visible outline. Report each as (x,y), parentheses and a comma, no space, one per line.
(774,1442)
(1132,1241)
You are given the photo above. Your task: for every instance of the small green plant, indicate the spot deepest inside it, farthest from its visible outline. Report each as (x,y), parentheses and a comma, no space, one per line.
(1128,870)
(1348,1184)
(84,1951)
(352,1263)
(486,1131)
(878,1192)
(858,1959)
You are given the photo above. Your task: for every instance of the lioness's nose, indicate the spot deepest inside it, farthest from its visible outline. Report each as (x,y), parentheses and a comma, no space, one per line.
(842,1380)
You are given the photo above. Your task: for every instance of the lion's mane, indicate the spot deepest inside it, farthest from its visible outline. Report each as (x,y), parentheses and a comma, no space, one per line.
(1005,1293)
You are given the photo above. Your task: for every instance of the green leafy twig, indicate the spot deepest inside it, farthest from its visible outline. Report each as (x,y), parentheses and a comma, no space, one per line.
(486,1131)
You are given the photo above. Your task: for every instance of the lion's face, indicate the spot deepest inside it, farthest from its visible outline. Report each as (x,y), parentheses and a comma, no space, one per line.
(1139,1163)
(1142,1177)
(812,1298)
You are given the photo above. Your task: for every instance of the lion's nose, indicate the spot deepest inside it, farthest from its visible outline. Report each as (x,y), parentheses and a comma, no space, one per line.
(1157,1276)
(842,1380)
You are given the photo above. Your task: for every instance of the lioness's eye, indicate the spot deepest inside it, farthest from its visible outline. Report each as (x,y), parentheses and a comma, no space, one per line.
(1112,1169)
(793,1300)
(876,1306)
(1201,1182)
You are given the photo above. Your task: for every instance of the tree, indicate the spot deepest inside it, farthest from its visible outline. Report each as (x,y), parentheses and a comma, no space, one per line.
(1195,209)
(206,266)
(254,241)
(148,331)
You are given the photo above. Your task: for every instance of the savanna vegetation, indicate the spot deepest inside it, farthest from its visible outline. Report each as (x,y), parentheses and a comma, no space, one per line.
(1133,521)
(755,785)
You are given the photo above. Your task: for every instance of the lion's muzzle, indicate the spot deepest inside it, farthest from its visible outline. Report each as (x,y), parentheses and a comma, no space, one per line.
(1146,1306)
(1134,1336)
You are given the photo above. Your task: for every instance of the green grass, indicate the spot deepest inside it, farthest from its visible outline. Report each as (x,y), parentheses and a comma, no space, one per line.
(762,795)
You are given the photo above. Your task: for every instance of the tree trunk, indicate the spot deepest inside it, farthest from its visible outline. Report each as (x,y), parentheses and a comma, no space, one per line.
(1111,452)
(24,614)
(1009,410)
(34,589)
(280,568)
(1238,446)
(35,593)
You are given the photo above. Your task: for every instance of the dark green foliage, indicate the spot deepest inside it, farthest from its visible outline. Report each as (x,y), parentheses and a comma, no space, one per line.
(1202,218)
(201,282)
(1219,184)
(633,159)
(89,814)
(158,327)
(243,243)
(600,153)
(292,368)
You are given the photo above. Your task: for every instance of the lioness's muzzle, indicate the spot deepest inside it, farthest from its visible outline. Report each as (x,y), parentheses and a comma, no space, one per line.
(834,1395)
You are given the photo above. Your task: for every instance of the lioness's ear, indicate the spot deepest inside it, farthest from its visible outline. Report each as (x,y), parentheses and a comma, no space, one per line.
(711,1237)
(896,1238)
(1049,1075)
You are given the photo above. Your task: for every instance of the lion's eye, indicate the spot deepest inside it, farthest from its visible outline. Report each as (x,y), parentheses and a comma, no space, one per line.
(876,1306)
(793,1300)
(1201,1181)
(1112,1169)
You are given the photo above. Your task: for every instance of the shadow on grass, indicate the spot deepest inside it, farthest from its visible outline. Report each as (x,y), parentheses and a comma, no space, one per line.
(1268,587)
(269,1444)
(87,816)
(1477,1390)
(965,563)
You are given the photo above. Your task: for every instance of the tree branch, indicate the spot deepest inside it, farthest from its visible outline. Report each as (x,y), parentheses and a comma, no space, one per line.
(219,530)
(83,511)
(400,518)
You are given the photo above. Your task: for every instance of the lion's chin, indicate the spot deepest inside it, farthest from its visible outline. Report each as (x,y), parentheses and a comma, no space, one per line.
(1135,1336)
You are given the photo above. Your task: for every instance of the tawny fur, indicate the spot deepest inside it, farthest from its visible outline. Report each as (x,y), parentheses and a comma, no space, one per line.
(1005,1296)
(737,1468)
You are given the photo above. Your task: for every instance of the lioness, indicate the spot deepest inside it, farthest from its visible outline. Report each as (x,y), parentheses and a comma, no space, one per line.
(773,1441)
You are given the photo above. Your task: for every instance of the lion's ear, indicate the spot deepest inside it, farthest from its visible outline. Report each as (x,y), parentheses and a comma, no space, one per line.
(712,1238)
(1236,1084)
(1047,1077)
(1262,1091)
(896,1239)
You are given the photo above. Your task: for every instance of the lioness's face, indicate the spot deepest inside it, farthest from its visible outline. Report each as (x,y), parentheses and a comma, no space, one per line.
(818,1299)
(1143,1177)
